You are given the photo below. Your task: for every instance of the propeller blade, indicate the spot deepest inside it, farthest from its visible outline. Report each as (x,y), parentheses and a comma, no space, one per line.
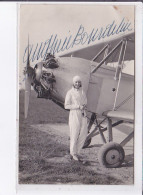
(27,94)
(28,55)
(28,81)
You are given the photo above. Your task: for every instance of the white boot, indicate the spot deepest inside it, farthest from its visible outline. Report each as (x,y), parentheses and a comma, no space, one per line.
(75,157)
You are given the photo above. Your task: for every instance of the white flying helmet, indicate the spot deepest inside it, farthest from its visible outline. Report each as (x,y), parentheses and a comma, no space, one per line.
(76,78)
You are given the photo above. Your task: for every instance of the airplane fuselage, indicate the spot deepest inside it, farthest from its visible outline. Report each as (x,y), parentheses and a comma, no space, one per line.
(103,91)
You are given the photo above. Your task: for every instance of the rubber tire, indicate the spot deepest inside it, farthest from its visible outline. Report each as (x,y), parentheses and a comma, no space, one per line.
(104,151)
(86,144)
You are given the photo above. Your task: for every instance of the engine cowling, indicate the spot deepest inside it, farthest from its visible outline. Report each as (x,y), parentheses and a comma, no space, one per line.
(43,78)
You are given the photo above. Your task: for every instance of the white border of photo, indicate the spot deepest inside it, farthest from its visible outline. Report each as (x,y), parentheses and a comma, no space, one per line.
(9,110)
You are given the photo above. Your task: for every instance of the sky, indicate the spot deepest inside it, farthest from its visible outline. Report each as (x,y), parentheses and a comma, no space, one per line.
(40,21)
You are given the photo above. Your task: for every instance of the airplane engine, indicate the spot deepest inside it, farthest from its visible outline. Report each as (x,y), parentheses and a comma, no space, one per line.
(43,78)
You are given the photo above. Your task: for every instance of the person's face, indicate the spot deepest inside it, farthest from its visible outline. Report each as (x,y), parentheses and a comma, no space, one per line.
(77,84)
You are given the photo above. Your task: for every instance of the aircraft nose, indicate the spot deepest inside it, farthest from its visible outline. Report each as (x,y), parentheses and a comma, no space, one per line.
(43,70)
(43,80)
(47,79)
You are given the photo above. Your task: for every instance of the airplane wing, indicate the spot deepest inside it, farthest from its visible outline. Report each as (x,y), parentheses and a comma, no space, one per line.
(91,51)
(122,115)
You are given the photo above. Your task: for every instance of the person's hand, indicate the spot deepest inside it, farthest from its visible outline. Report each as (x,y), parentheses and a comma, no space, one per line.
(83,107)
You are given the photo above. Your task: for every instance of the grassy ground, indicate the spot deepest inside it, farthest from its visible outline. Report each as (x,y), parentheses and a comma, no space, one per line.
(41,111)
(36,148)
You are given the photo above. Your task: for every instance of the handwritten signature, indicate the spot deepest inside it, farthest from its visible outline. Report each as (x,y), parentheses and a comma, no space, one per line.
(54,45)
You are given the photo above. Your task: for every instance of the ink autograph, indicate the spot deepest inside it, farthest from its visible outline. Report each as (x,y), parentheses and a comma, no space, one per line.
(54,45)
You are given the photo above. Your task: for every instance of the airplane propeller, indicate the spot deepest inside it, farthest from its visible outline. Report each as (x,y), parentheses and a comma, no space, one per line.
(28,80)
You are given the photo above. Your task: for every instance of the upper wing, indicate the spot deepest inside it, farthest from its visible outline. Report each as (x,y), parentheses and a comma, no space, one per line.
(91,51)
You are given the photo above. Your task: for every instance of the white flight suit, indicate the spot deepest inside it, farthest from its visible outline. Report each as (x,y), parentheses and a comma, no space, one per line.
(77,121)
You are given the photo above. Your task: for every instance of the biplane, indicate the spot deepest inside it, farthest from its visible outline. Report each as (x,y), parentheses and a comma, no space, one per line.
(110,92)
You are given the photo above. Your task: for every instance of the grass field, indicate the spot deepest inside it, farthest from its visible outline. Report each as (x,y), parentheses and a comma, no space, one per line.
(37,148)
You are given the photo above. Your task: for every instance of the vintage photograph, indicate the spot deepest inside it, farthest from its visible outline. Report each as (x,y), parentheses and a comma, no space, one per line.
(76,65)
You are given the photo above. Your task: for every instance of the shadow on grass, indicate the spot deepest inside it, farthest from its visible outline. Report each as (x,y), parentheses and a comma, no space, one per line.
(129,161)
(95,145)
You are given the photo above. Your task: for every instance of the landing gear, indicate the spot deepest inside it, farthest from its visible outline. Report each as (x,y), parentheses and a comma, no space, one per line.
(87,143)
(92,119)
(111,155)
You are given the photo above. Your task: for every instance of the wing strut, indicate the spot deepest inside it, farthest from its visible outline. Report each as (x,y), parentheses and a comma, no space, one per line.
(110,53)
(121,59)
(100,52)
(118,73)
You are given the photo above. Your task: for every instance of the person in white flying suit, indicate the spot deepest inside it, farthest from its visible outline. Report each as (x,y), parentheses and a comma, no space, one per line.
(76,102)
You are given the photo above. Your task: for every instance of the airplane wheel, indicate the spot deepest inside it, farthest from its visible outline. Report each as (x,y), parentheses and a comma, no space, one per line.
(87,143)
(111,155)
